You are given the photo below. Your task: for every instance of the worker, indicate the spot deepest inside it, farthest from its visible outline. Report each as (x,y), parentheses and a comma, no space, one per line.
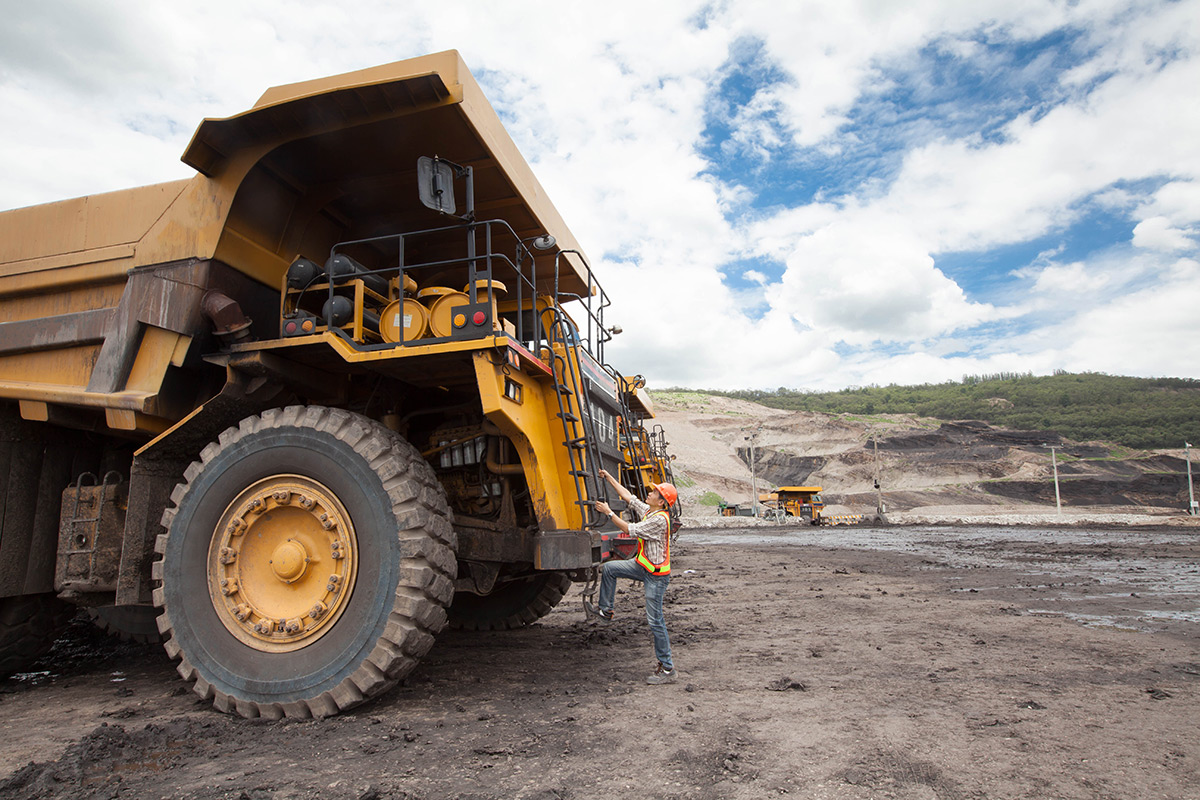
(651,565)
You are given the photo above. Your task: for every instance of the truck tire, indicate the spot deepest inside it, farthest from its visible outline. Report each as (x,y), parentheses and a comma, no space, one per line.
(514,604)
(128,623)
(307,564)
(29,624)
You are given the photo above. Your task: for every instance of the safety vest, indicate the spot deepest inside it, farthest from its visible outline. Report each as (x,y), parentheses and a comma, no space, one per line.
(656,569)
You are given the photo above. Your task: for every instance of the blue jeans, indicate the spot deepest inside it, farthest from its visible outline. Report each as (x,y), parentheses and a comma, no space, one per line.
(656,589)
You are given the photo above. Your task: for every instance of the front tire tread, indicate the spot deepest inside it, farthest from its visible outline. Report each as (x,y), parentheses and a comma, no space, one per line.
(428,564)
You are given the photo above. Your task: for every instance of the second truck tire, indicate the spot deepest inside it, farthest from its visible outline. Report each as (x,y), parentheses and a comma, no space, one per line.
(514,604)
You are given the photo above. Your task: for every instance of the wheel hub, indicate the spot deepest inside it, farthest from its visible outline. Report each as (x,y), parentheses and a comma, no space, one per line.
(282,563)
(289,561)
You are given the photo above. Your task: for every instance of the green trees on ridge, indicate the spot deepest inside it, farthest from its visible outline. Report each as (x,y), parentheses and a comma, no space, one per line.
(1144,413)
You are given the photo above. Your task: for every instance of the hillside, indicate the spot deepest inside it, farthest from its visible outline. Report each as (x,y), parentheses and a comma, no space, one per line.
(927,468)
(1134,412)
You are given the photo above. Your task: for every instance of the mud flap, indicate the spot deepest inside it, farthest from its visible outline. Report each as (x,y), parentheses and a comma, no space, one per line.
(567,550)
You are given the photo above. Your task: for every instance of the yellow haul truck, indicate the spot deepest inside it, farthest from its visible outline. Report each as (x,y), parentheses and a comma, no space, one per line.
(310,405)
(800,501)
(646,457)
(646,454)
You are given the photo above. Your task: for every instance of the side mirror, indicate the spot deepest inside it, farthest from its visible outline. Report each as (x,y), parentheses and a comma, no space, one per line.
(435,184)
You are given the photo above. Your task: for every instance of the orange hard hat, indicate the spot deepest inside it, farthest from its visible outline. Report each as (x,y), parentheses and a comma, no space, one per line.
(667,491)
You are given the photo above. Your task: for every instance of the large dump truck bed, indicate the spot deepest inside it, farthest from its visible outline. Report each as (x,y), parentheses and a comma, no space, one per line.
(100,296)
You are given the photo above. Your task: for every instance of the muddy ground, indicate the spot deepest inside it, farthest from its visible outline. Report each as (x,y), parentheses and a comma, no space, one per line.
(960,664)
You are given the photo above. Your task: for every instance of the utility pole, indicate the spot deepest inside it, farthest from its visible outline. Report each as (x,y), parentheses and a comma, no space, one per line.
(1057,498)
(1187,452)
(880,511)
(753,475)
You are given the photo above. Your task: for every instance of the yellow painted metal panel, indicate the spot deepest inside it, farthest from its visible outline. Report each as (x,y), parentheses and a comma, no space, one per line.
(61,261)
(182,345)
(192,226)
(153,357)
(34,410)
(73,395)
(529,426)
(120,419)
(88,297)
(349,353)
(446,64)
(256,260)
(73,227)
(57,278)
(66,366)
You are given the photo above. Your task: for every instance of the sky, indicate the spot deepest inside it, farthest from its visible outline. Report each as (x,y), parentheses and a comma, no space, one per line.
(810,194)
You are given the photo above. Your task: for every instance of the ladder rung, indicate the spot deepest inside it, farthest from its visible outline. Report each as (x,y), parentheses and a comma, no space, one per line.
(580,473)
(569,417)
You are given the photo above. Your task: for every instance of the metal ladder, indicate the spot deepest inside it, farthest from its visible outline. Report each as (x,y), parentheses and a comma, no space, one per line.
(578,423)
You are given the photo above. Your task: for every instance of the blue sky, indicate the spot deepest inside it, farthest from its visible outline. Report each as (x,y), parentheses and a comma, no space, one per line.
(803,194)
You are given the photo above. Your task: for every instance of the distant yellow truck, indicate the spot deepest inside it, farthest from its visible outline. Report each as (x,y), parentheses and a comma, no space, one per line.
(797,501)
(310,405)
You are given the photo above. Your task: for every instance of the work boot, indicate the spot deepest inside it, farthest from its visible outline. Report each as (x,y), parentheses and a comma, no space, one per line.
(598,614)
(661,675)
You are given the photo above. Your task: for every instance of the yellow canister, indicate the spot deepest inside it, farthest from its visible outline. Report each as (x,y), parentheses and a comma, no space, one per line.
(404,321)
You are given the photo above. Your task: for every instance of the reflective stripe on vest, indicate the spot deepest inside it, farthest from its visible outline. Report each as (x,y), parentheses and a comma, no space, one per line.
(656,569)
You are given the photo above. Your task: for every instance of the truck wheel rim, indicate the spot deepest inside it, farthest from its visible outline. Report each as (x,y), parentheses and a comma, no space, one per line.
(282,563)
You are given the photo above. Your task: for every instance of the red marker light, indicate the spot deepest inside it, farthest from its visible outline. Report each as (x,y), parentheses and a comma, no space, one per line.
(479,317)
(289,328)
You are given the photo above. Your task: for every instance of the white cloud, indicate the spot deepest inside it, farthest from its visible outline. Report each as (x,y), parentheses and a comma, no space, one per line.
(1177,201)
(1149,332)
(1157,233)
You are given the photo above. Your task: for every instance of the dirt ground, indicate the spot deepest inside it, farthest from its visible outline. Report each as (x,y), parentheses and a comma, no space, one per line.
(807,669)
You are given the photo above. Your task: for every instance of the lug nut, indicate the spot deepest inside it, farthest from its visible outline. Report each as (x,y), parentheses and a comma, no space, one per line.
(265,626)
(229,586)
(292,626)
(228,555)
(306,503)
(318,611)
(242,612)
(282,496)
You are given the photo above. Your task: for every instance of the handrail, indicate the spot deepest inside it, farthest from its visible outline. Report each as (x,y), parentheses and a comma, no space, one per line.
(594,302)
(597,333)
(524,285)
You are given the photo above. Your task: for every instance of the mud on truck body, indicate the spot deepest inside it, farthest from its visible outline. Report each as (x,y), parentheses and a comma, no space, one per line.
(311,405)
